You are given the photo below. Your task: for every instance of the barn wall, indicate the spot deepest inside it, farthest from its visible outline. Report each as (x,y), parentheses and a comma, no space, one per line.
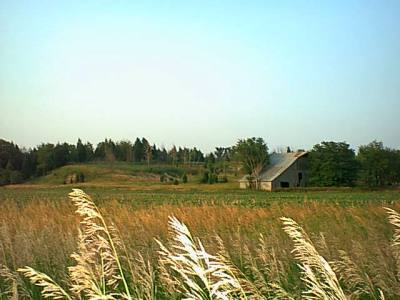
(266,185)
(290,175)
(244,184)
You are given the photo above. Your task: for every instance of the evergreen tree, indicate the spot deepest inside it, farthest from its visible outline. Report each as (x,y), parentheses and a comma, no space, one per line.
(89,151)
(173,153)
(81,151)
(138,151)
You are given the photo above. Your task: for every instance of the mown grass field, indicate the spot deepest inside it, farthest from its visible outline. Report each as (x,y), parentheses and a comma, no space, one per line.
(38,226)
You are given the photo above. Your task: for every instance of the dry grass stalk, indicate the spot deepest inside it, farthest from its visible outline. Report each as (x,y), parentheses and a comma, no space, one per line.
(394,219)
(200,274)
(50,288)
(98,269)
(356,280)
(143,277)
(17,288)
(318,275)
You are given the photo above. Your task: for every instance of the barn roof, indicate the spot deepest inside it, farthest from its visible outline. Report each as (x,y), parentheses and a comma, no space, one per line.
(278,163)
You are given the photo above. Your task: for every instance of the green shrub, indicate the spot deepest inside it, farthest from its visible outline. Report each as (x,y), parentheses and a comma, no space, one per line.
(184,178)
(212,178)
(204,176)
(81,177)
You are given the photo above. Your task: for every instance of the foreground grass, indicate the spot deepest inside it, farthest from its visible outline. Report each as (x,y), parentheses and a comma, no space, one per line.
(41,231)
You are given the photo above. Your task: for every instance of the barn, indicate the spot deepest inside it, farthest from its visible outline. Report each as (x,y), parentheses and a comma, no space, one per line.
(285,170)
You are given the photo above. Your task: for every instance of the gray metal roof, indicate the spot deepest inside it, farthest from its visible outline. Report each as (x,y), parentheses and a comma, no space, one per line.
(278,163)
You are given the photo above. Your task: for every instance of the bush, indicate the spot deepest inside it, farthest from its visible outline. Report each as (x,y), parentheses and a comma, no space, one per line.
(224,179)
(81,177)
(16,177)
(204,177)
(212,178)
(184,178)
(176,181)
(162,178)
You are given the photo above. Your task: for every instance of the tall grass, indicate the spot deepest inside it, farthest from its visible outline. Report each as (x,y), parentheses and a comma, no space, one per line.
(122,260)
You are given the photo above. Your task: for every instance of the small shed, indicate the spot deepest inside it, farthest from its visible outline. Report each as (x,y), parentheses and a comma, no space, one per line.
(285,170)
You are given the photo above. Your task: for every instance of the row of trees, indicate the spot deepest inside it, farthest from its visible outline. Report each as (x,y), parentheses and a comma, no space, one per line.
(336,164)
(18,164)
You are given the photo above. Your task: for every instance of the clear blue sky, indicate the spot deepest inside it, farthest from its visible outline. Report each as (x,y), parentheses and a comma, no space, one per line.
(200,73)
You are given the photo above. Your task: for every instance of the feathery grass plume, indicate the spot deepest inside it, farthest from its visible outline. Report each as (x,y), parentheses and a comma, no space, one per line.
(317,274)
(355,279)
(17,288)
(394,219)
(169,283)
(98,268)
(200,274)
(50,288)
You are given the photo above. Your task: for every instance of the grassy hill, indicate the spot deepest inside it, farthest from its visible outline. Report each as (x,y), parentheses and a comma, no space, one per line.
(126,175)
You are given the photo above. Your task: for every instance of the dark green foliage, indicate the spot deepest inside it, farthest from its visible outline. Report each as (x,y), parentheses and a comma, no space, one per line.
(184,178)
(209,176)
(84,153)
(380,166)
(4,177)
(176,181)
(11,156)
(16,177)
(138,150)
(222,157)
(61,154)
(29,164)
(81,177)
(212,178)
(162,178)
(173,154)
(45,158)
(204,176)
(81,151)
(332,164)
(124,151)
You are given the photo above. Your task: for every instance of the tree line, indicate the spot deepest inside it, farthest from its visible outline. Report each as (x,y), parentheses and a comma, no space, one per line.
(18,164)
(329,163)
(336,164)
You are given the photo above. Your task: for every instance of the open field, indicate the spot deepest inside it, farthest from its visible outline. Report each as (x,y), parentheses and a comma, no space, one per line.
(38,226)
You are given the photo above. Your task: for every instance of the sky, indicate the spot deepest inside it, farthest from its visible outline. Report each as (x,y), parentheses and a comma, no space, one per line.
(200,73)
